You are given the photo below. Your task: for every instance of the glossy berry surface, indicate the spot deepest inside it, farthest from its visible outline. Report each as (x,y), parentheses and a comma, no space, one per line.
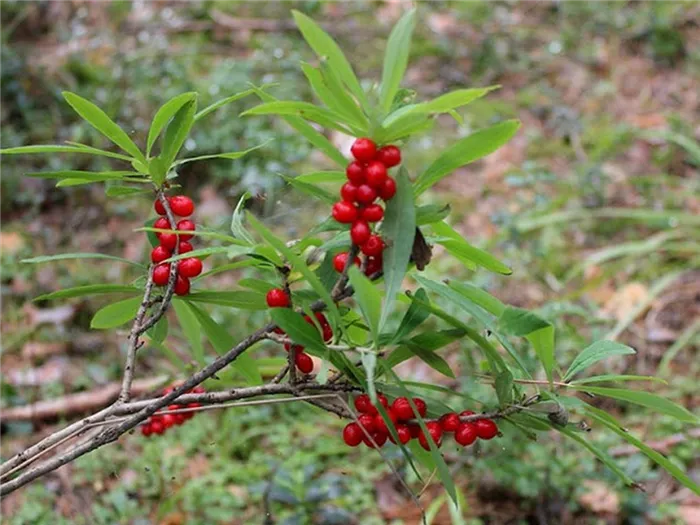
(344,212)
(186,225)
(360,232)
(363,404)
(466,434)
(168,241)
(340,259)
(402,408)
(378,437)
(161,274)
(182,285)
(162,224)
(181,205)
(348,192)
(374,265)
(367,422)
(352,435)
(373,247)
(421,406)
(404,434)
(390,156)
(372,213)
(375,174)
(435,433)
(277,298)
(159,254)
(184,247)
(381,425)
(158,206)
(486,429)
(304,362)
(355,172)
(364,149)
(366,194)
(190,267)
(388,190)
(449,422)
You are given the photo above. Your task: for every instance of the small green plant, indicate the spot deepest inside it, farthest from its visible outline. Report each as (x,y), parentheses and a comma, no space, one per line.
(366,250)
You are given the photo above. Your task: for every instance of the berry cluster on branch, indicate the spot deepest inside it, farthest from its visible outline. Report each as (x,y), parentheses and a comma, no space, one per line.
(158,423)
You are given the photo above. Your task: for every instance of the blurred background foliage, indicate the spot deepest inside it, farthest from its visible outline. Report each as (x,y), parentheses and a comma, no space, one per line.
(594,204)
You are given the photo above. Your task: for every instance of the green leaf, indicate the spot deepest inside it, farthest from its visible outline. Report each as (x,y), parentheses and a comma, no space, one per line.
(55,148)
(243,300)
(124,191)
(116,314)
(464,151)
(257,284)
(159,331)
(231,155)
(312,190)
(298,330)
(99,120)
(542,341)
(80,182)
(412,125)
(431,213)
(298,264)
(480,297)
(430,358)
(309,133)
(164,114)
(346,104)
(520,322)
(216,105)
(325,117)
(322,176)
(319,87)
(97,176)
(414,316)
(237,228)
(398,231)
(645,399)
(396,58)
(176,133)
(596,352)
(460,248)
(614,378)
(222,342)
(90,289)
(369,299)
(369,363)
(608,421)
(504,387)
(422,344)
(64,256)
(325,47)
(190,327)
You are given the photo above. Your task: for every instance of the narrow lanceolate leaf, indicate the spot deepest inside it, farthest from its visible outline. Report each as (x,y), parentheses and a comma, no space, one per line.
(64,256)
(414,316)
(222,342)
(176,133)
(608,421)
(51,148)
(159,331)
(84,175)
(90,289)
(480,297)
(425,342)
(615,378)
(81,182)
(520,322)
(325,117)
(504,387)
(325,47)
(396,58)
(645,399)
(244,300)
(298,329)
(298,264)
(257,284)
(430,213)
(231,155)
(312,190)
(369,299)
(163,115)
(398,231)
(190,327)
(116,314)
(460,248)
(596,352)
(124,191)
(216,105)
(99,120)
(237,228)
(464,151)
(317,177)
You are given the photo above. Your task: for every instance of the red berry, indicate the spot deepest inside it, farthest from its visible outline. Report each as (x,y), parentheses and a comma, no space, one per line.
(378,437)
(421,406)
(383,401)
(435,432)
(373,247)
(340,259)
(327,333)
(388,190)
(186,225)
(374,265)
(181,205)
(355,173)
(344,212)
(304,362)
(466,434)
(190,267)
(465,413)
(363,404)
(404,434)
(179,418)
(390,156)
(372,213)
(376,174)
(159,254)
(184,247)
(348,192)
(402,408)
(161,274)
(367,422)
(352,435)
(146,429)
(158,206)
(162,224)
(414,429)
(157,426)
(450,422)
(168,240)
(199,389)
(381,425)
(486,429)
(277,298)
(360,232)
(364,149)
(321,319)
(182,285)
(169,420)
(366,194)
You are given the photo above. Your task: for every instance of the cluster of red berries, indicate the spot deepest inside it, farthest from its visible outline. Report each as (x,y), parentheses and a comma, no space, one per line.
(159,423)
(278,298)
(181,206)
(401,413)
(368,179)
